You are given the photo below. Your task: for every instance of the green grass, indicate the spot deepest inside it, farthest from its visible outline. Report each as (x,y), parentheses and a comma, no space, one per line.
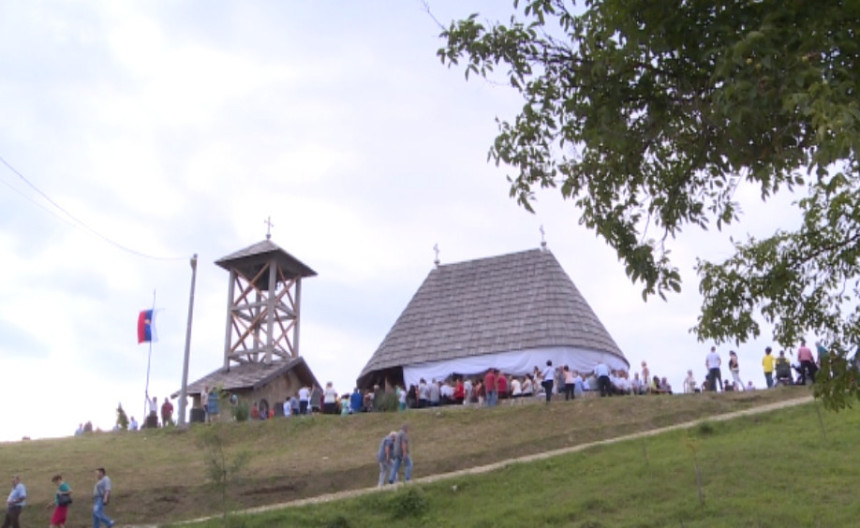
(160,476)
(771,470)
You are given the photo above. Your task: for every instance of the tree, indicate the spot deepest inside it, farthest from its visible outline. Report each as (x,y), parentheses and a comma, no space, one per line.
(221,468)
(650,115)
(121,418)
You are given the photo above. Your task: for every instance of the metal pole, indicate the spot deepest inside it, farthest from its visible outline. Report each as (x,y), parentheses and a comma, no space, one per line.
(148,363)
(184,391)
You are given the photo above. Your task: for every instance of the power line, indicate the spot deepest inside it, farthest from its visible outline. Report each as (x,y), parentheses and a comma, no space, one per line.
(75,220)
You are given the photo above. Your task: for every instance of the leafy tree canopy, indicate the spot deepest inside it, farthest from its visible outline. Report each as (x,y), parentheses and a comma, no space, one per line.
(649,115)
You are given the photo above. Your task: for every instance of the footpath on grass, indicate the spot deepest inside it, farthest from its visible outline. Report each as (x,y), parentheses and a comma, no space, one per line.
(501,464)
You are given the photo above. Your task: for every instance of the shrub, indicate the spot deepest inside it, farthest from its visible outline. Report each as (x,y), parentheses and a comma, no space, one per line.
(410,503)
(121,418)
(387,402)
(241,411)
(339,522)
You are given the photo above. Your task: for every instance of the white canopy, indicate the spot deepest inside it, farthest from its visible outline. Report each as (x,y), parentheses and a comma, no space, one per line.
(516,363)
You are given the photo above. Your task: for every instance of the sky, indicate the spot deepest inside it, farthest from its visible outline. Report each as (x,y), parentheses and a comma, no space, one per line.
(145,132)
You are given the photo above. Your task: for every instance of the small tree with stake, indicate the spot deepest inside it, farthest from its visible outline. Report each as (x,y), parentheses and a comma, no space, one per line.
(221,468)
(121,418)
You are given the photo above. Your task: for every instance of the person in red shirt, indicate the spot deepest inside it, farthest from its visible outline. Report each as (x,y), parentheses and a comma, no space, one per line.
(501,385)
(459,391)
(490,388)
(166,413)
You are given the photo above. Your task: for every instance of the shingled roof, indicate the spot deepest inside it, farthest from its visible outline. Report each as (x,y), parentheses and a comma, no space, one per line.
(518,301)
(250,261)
(250,376)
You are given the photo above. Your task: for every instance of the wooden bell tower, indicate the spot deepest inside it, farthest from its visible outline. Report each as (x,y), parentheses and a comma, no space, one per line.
(263,304)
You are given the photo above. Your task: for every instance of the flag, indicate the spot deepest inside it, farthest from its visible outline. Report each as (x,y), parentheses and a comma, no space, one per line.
(146,326)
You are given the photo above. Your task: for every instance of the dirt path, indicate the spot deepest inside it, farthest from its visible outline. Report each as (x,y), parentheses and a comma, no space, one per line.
(518,460)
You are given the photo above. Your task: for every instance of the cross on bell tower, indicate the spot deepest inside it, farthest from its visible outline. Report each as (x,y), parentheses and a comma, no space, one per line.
(263,303)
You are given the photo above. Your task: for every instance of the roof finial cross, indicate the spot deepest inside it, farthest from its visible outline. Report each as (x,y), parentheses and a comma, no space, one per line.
(436,249)
(269,226)
(542,238)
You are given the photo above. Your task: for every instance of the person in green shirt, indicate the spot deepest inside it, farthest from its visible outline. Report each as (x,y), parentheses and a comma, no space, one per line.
(61,502)
(767,365)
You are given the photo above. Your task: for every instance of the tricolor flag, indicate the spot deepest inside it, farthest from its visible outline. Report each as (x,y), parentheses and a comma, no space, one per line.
(146,326)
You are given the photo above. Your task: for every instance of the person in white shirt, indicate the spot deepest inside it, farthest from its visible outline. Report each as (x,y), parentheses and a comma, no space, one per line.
(15,503)
(601,372)
(304,400)
(713,362)
(548,376)
(690,383)
(516,390)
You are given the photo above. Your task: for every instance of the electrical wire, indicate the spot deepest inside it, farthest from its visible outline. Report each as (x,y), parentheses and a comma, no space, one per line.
(75,220)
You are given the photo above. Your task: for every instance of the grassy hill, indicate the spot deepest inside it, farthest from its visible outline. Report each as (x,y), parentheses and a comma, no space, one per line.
(160,476)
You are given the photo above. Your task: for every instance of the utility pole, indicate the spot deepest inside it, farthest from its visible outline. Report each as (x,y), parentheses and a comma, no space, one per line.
(183,393)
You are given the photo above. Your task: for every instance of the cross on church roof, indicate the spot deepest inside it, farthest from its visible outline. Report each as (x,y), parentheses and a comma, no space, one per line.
(269,226)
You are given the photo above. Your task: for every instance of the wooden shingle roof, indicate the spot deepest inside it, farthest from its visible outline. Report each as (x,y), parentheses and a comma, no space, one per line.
(250,260)
(251,376)
(506,303)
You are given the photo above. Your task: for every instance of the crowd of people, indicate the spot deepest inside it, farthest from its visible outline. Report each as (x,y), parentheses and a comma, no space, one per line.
(488,389)
(777,370)
(59,503)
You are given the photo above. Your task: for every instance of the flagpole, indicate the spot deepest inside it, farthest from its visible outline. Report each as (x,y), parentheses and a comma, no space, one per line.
(148,363)
(184,390)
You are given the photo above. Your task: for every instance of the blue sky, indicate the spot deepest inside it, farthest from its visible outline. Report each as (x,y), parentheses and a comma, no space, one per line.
(174,128)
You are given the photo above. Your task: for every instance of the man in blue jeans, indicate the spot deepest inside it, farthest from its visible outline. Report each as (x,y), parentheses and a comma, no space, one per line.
(401,455)
(101,498)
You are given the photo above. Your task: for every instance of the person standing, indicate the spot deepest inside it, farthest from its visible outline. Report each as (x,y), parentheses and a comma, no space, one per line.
(601,372)
(204,403)
(61,502)
(767,365)
(101,498)
(490,387)
(735,369)
(807,362)
(329,399)
(166,413)
(385,457)
(402,455)
(15,503)
(548,376)
(713,363)
(304,400)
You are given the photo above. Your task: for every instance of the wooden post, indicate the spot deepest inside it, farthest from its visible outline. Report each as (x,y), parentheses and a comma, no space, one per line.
(270,316)
(298,310)
(229,333)
(183,393)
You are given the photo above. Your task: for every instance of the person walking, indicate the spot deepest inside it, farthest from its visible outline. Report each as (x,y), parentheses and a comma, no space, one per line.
(15,504)
(735,369)
(101,498)
(385,457)
(715,377)
(61,502)
(402,455)
(767,365)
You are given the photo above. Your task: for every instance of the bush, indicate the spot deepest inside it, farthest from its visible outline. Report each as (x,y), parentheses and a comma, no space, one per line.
(339,522)
(386,402)
(706,429)
(410,503)
(121,418)
(241,411)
